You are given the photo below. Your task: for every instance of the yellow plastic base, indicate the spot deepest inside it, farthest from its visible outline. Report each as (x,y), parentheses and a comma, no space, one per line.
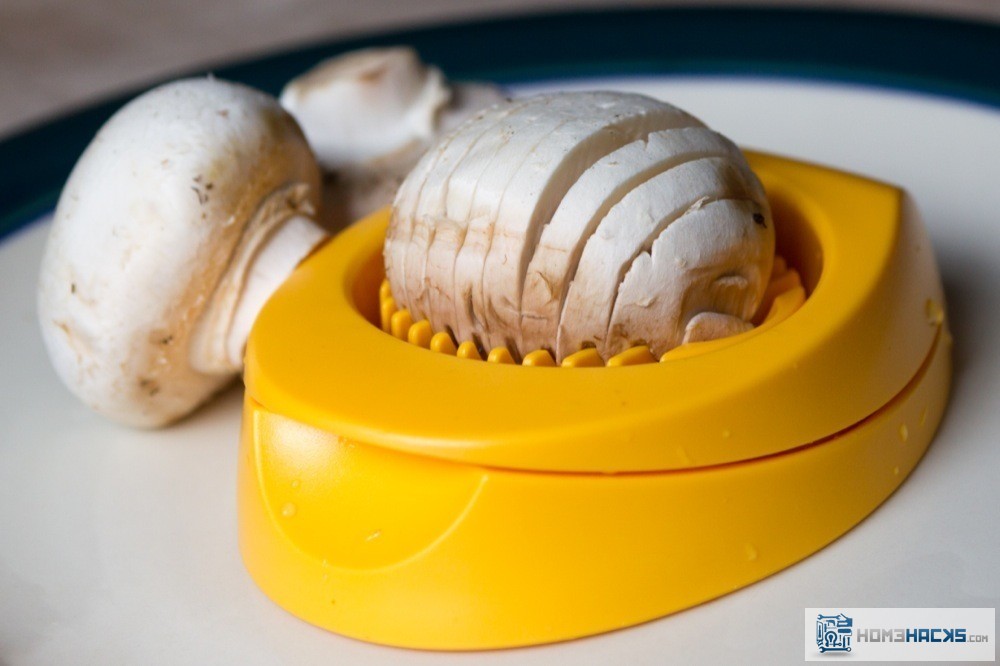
(393,548)
(424,500)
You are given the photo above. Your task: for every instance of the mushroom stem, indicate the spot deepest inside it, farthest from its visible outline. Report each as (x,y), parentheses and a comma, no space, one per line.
(284,251)
(280,236)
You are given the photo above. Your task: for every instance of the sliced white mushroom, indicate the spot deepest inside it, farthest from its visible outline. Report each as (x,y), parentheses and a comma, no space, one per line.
(369,115)
(701,279)
(397,235)
(540,184)
(421,204)
(405,209)
(473,202)
(706,326)
(190,206)
(590,125)
(453,192)
(400,230)
(561,242)
(630,227)
(547,210)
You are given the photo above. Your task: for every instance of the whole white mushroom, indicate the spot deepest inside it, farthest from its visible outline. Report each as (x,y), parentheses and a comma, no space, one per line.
(369,115)
(191,205)
(578,220)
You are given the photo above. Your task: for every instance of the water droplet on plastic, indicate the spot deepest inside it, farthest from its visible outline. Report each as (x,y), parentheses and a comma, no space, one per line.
(923,417)
(296,483)
(288,510)
(895,471)
(726,433)
(904,433)
(326,577)
(751,552)
(374,535)
(934,312)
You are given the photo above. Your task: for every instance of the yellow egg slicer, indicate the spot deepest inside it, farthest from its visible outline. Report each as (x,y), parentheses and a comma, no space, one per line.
(426,500)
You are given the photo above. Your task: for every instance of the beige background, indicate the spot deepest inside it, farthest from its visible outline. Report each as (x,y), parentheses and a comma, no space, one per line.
(59,54)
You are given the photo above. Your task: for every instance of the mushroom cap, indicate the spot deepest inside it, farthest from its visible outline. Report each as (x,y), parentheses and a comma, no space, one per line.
(369,116)
(366,105)
(519,228)
(180,188)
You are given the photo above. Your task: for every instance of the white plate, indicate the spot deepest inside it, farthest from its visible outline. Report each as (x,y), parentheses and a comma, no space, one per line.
(118,546)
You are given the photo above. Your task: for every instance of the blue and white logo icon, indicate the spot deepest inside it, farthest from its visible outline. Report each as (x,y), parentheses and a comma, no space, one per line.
(833,633)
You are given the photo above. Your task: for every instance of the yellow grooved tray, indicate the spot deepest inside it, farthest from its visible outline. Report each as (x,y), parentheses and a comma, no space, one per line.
(783,296)
(417,499)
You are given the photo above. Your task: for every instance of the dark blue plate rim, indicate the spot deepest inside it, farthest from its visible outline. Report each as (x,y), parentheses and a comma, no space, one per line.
(940,56)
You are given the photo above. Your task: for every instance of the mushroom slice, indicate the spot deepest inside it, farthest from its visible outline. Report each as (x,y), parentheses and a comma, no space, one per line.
(424,207)
(406,206)
(628,229)
(190,206)
(540,184)
(447,214)
(397,235)
(598,189)
(701,279)
(706,326)
(426,203)
(474,193)
(542,152)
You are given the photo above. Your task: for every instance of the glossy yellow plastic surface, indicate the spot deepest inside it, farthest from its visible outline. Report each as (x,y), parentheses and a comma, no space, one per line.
(421,499)
(862,253)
